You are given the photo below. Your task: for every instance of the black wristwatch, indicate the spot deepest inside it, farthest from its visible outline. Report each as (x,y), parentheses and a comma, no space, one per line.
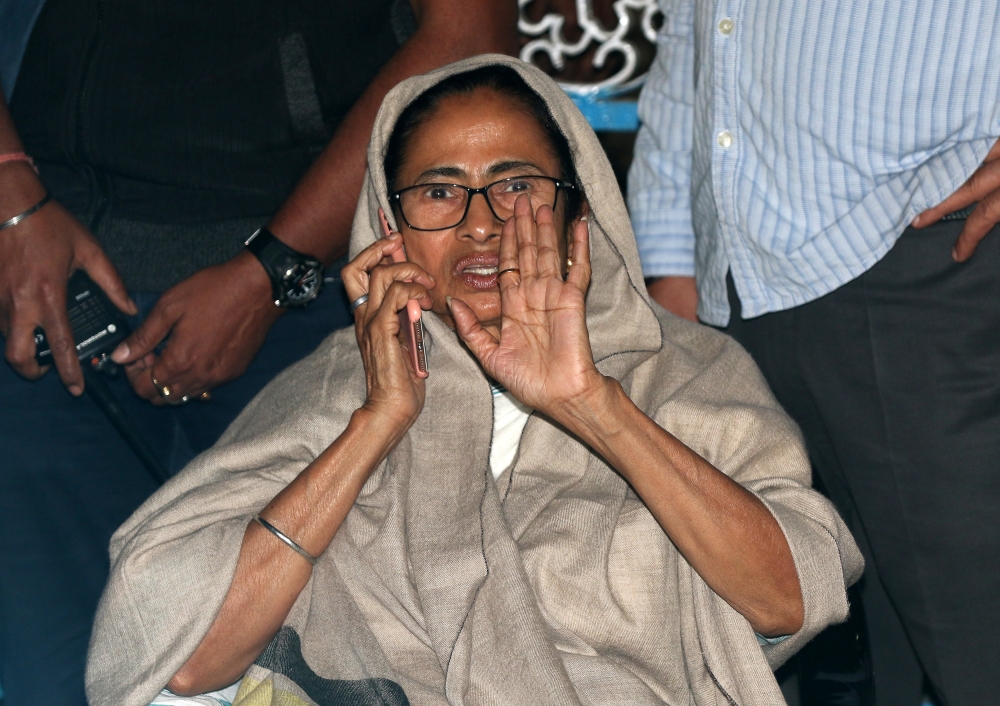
(295,278)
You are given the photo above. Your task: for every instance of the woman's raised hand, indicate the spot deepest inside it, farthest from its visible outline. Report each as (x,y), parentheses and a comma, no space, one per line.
(543,354)
(393,386)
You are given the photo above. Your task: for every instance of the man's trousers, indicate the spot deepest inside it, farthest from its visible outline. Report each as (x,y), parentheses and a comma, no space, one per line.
(895,380)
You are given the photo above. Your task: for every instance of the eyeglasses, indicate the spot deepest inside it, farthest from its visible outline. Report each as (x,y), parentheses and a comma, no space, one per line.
(443,206)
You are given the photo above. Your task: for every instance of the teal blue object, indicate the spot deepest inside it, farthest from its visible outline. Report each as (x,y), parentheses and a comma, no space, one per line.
(608,115)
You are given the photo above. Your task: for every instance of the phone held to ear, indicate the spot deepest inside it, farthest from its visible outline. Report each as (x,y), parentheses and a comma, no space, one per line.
(409,318)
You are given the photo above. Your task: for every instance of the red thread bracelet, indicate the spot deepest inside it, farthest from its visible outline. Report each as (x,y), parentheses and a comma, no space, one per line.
(18,157)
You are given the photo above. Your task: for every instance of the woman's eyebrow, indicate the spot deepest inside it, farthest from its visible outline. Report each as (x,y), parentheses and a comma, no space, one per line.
(446,172)
(513,165)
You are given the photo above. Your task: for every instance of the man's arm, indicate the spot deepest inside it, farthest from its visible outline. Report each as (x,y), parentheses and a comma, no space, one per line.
(315,221)
(218,317)
(659,192)
(36,258)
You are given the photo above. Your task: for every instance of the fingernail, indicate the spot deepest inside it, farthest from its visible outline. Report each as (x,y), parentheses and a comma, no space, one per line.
(447,300)
(916,221)
(120,354)
(954,254)
(132,308)
(75,390)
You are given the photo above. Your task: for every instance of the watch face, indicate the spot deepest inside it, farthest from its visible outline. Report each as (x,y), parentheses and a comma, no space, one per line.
(301,283)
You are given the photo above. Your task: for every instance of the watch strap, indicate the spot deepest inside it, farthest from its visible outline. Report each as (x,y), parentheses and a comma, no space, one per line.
(260,244)
(276,258)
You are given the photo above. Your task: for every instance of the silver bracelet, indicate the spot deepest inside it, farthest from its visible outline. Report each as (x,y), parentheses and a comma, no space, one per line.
(24,214)
(286,539)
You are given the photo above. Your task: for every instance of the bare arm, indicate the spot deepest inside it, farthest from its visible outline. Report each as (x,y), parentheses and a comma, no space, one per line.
(677,294)
(217,319)
(543,357)
(721,528)
(312,220)
(269,575)
(36,258)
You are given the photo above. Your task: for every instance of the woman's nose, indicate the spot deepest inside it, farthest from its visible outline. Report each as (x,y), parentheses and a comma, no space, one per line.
(480,223)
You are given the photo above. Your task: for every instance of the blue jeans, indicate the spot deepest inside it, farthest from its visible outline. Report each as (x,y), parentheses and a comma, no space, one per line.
(68,480)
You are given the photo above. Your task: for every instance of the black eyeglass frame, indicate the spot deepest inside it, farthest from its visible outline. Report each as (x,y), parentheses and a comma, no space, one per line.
(470,192)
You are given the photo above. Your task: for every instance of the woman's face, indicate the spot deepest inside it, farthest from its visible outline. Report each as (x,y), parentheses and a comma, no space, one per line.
(472,140)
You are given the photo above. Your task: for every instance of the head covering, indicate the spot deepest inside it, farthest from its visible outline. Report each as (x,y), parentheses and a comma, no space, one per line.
(553,584)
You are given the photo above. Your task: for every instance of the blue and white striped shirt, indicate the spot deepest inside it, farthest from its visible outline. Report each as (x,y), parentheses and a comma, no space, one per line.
(798,138)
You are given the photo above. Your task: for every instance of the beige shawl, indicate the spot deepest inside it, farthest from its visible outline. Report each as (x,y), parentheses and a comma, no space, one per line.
(552,585)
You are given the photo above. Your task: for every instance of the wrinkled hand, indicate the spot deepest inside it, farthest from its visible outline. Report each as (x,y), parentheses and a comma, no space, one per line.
(217,320)
(543,355)
(393,386)
(983,186)
(676,294)
(37,257)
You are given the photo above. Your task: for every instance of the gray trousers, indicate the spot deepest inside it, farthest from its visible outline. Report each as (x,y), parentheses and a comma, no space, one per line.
(895,381)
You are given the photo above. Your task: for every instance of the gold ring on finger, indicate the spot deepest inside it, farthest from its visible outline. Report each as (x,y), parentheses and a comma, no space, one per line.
(205,396)
(164,390)
(509,269)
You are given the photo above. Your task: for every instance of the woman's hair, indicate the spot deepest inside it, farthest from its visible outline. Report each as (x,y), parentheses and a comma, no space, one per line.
(505,81)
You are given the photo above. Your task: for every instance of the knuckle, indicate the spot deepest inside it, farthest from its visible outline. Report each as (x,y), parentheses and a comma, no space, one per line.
(49,291)
(139,336)
(18,357)
(182,361)
(170,308)
(60,345)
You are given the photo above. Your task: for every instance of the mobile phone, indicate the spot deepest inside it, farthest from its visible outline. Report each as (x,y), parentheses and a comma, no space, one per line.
(98,326)
(409,318)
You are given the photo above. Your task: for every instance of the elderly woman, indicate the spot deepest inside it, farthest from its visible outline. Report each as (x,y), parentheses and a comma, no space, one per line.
(587,501)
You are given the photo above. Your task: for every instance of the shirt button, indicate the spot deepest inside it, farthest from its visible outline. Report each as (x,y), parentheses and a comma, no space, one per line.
(725,139)
(726,26)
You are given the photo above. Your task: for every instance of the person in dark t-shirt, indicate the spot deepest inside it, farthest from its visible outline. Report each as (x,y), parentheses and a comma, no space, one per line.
(167,134)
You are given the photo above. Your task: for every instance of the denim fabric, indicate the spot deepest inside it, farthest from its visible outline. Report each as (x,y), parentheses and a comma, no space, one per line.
(17,18)
(67,480)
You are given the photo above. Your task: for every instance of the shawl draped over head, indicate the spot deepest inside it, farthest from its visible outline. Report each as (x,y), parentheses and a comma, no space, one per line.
(551,585)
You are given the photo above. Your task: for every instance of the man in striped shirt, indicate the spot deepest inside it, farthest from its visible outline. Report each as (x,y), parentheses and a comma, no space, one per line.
(811,166)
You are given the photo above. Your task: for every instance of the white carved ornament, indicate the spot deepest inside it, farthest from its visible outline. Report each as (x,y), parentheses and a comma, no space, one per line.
(548,33)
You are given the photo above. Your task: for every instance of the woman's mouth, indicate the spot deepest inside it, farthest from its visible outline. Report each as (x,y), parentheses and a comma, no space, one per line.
(478,271)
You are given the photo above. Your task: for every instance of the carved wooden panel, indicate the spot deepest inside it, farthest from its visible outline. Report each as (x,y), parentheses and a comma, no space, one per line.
(590,46)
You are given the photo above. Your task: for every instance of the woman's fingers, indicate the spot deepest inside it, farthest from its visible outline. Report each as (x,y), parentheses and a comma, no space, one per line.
(368,274)
(480,341)
(547,244)
(508,257)
(580,271)
(383,276)
(525,227)
(356,273)
(381,333)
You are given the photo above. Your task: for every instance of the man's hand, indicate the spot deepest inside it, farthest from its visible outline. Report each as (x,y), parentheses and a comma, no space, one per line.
(217,320)
(676,294)
(982,187)
(37,257)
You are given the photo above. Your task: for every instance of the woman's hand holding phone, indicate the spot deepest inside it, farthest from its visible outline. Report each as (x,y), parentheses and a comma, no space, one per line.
(382,324)
(410,319)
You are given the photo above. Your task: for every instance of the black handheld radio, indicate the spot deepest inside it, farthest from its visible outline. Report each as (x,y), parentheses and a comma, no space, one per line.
(98,328)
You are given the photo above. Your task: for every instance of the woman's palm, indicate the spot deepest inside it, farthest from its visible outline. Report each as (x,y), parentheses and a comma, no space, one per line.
(543,354)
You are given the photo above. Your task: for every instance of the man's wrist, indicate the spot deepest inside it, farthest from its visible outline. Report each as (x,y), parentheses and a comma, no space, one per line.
(255,281)
(20,188)
(296,278)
